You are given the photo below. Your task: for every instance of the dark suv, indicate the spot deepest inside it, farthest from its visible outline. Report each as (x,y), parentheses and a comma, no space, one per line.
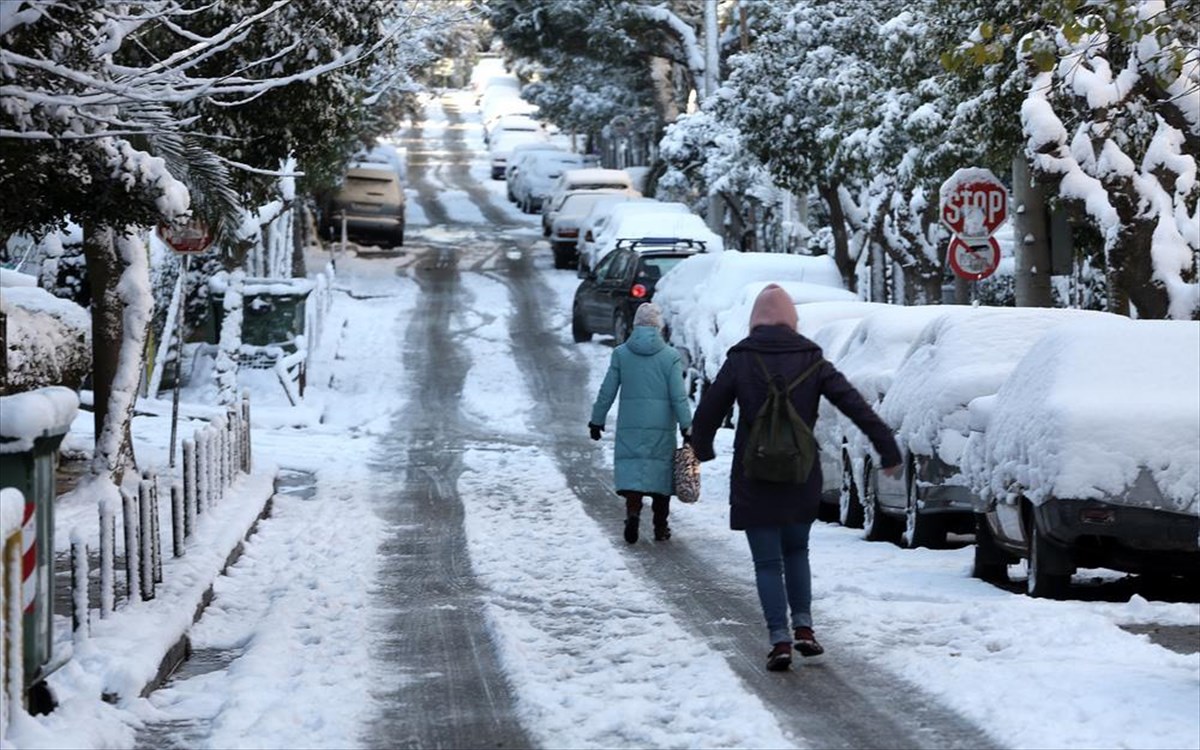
(607,297)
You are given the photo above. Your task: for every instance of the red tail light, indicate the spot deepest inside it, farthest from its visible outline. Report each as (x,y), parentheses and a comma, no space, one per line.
(638,291)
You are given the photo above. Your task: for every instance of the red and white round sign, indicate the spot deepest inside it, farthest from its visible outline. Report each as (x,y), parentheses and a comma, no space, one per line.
(974,203)
(191,237)
(974,262)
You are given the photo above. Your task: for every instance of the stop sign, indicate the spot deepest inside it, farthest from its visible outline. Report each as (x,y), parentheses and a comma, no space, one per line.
(974,203)
(190,237)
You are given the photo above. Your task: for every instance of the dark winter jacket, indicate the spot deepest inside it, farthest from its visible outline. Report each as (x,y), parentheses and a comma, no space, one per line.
(649,377)
(787,353)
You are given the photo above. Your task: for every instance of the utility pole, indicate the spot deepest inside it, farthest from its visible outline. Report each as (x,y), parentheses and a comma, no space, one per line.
(712,52)
(712,64)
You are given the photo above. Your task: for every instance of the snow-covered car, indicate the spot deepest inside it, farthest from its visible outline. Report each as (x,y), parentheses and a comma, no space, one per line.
(868,359)
(635,220)
(592,178)
(955,359)
(564,230)
(600,215)
(702,292)
(518,154)
(1089,456)
(598,228)
(502,145)
(510,123)
(538,173)
(371,202)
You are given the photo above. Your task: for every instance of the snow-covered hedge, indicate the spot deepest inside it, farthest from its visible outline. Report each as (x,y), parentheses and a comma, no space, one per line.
(1092,406)
(49,339)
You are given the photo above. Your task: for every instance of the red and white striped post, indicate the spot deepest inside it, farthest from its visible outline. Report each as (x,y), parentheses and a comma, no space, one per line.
(29,562)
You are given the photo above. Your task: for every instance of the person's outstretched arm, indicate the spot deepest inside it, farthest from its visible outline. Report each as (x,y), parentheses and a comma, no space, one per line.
(710,413)
(850,402)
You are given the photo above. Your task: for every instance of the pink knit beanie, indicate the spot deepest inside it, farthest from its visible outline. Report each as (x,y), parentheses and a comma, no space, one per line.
(773,307)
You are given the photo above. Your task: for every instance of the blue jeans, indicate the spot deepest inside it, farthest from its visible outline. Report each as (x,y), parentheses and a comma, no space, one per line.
(783,576)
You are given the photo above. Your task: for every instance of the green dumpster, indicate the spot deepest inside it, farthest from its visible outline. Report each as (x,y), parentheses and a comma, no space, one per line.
(273,310)
(32,426)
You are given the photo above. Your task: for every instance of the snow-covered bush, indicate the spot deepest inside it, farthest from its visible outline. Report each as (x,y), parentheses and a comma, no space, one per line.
(48,339)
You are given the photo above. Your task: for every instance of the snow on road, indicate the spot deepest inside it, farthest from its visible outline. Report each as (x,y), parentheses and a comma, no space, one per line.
(595,657)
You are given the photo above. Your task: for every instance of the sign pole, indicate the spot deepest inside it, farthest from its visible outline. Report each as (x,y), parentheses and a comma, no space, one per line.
(183,287)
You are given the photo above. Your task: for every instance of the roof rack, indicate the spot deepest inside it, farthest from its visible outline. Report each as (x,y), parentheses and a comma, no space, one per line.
(674,243)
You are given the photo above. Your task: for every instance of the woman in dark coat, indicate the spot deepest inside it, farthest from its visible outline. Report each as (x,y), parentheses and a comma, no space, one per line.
(777,517)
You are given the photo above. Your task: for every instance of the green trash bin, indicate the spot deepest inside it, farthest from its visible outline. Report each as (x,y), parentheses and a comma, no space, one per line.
(273,311)
(32,425)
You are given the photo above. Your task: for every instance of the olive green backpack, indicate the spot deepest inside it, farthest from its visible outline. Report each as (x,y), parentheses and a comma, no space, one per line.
(780,446)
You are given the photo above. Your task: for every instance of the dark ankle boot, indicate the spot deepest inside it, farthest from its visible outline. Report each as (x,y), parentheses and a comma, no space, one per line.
(661,508)
(631,529)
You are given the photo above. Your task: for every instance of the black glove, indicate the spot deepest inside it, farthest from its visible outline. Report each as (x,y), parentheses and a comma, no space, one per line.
(595,430)
(686,434)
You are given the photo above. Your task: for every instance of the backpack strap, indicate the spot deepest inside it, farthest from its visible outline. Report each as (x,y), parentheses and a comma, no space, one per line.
(799,379)
(804,375)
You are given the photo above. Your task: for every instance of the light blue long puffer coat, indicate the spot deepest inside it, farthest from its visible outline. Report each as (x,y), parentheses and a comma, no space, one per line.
(648,375)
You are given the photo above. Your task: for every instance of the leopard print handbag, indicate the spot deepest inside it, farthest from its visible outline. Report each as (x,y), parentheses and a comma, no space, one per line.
(686,474)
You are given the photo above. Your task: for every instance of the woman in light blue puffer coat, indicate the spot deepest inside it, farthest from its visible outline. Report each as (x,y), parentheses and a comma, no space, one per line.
(648,376)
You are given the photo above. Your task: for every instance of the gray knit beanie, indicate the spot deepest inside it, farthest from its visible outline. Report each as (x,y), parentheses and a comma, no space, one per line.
(648,314)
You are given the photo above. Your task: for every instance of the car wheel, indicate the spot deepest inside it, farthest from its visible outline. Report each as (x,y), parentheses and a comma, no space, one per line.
(1049,565)
(991,562)
(877,526)
(621,327)
(399,237)
(579,331)
(850,508)
(920,529)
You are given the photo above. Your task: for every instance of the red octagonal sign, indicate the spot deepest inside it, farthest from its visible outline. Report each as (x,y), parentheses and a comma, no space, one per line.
(974,203)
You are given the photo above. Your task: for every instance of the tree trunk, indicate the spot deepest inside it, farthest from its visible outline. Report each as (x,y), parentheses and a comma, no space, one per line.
(103,272)
(1131,273)
(841,235)
(1032,245)
(121,309)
